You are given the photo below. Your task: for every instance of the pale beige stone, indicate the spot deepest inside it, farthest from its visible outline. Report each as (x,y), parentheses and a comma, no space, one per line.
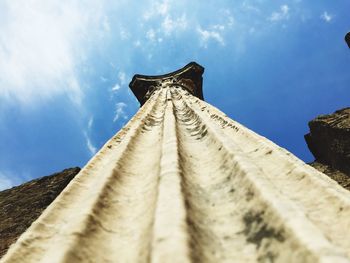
(181,182)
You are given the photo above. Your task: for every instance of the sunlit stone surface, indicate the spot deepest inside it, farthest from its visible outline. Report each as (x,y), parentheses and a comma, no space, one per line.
(182,182)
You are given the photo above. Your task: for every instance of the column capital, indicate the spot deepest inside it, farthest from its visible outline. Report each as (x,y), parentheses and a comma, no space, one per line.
(188,77)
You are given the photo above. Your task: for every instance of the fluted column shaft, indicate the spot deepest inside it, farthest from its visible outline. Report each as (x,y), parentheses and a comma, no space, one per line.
(181,182)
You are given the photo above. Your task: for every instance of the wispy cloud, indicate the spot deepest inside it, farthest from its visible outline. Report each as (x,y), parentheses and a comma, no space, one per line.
(122,77)
(282,14)
(105,24)
(207,35)
(124,34)
(170,21)
(40,48)
(217,30)
(103,79)
(137,43)
(250,7)
(92,149)
(89,145)
(326,17)
(151,34)
(91,122)
(122,81)
(119,111)
(116,87)
(163,8)
(170,25)
(157,9)
(230,20)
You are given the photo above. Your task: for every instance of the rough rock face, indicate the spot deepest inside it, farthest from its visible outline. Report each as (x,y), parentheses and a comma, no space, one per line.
(329,140)
(342,178)
(21,205)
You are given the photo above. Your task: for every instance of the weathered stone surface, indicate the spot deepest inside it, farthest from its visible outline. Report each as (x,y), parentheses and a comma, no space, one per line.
(22,205)
(182,182)
(329,140)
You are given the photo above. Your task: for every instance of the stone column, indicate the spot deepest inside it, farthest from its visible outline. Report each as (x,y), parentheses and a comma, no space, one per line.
(182,182)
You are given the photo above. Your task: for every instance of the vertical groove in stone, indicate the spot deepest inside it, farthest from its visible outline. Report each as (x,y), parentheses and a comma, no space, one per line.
(291,227)
(125,206)
(211,206)
(170,237)
(296,180)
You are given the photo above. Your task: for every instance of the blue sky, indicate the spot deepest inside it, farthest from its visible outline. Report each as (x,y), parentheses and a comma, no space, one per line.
(65,68)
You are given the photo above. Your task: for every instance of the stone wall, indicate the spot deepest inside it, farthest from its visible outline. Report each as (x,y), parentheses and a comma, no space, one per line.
(21,205)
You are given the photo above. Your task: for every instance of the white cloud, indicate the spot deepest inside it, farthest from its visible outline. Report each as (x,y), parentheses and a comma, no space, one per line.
(115,88)
(284,9)
(91,122)
(163,8)
(89,145)
(40,48)
(5,182)
(249,7)
(206,35)
(216,32)
(169,25)
(170,22)
(119,111)
(326,17)
(106,25)
(157,8)
(151,35)
(230,20)
(219,27)
(122,77)
(282,14)
(103,79)
(137,43)
(124,34)
(92,149)
(122,80)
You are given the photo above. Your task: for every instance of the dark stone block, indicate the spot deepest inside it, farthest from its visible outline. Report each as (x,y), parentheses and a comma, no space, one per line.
(329,139)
